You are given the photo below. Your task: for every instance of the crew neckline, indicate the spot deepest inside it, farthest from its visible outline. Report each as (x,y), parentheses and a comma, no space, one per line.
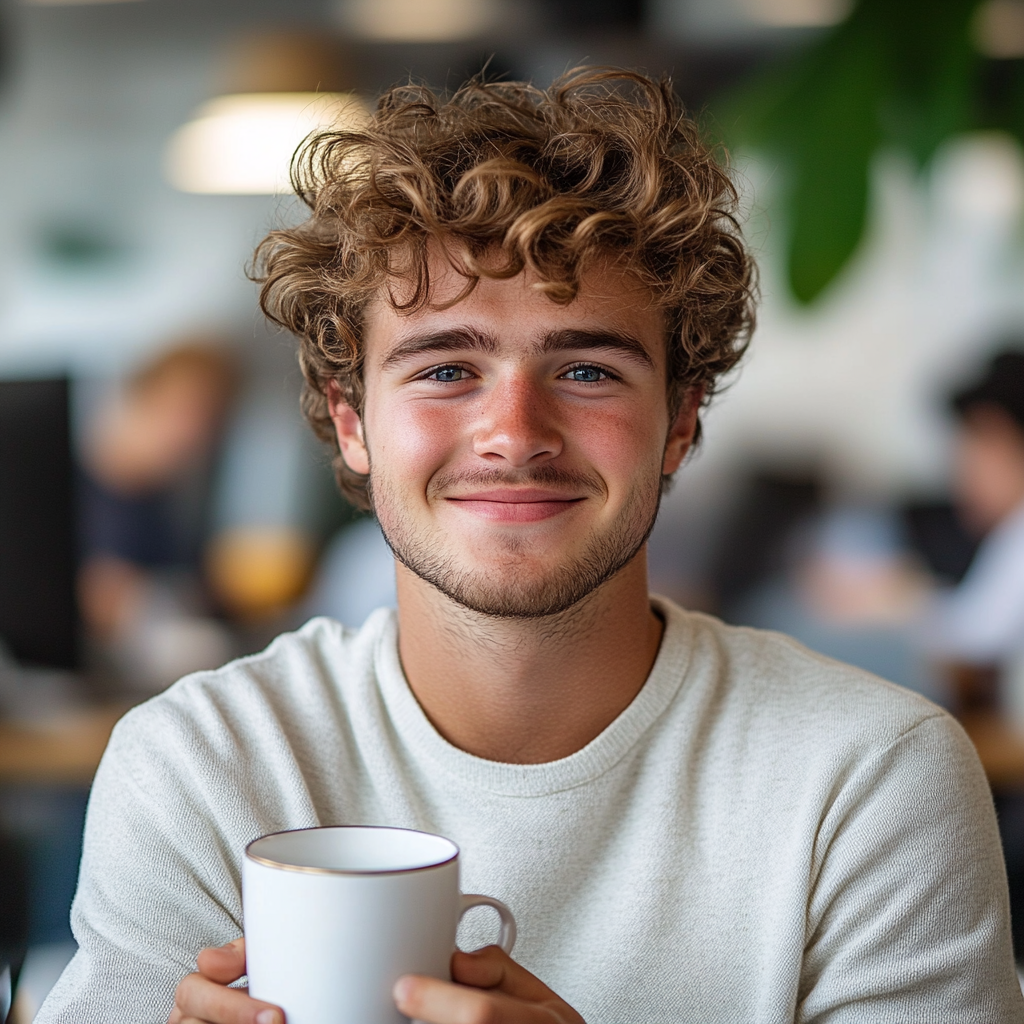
(422,740)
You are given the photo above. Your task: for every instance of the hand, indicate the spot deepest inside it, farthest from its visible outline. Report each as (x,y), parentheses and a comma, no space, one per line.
(204,998)
(491,989)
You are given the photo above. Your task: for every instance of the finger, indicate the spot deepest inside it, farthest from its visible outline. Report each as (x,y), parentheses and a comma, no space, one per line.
(441,1002)
(491,967)
(223,964)
(207,1001)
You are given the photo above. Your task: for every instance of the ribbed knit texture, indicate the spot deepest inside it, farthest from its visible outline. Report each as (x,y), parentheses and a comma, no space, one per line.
(763,835)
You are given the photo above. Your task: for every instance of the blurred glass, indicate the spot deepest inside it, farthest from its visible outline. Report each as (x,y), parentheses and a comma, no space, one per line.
(259,572)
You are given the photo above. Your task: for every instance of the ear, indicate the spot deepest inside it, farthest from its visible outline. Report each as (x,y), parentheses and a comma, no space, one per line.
(681,433)
(349,428)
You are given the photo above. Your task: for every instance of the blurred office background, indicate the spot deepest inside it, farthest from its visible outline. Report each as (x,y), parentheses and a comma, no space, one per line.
(163,507)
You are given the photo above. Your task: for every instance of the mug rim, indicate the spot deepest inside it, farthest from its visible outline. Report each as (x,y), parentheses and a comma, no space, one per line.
(305,869)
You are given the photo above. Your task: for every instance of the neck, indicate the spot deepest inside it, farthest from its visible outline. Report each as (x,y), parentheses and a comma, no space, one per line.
(526,691)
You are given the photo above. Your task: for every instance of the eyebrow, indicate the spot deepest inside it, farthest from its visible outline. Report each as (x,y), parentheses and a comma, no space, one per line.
(612,341)
(458,339)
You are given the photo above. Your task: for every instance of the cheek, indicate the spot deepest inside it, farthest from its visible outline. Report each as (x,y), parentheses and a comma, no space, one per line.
(621,443)
(979,469)
(410,440)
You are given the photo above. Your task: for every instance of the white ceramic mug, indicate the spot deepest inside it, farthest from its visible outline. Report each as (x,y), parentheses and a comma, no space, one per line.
(335,916)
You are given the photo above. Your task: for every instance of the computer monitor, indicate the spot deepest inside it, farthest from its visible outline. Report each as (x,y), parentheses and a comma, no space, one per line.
(38,613)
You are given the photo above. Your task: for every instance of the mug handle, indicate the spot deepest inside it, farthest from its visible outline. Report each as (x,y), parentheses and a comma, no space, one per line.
(507,935)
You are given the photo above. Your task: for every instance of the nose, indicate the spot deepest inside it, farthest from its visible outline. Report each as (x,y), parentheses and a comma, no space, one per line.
(517,424)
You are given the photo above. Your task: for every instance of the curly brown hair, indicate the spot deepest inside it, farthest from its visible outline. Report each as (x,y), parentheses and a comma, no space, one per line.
(603,163)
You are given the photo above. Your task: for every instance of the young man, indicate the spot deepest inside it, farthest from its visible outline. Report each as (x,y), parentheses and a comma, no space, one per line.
(511,307)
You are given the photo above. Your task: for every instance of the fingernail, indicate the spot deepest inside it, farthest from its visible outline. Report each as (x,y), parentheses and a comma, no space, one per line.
(401,989)
(268,1017)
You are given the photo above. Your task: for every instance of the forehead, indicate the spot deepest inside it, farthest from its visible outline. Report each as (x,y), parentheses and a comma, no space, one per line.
(517,311)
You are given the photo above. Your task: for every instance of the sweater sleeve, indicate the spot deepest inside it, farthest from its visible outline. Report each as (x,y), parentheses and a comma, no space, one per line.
(908,918)
(157,883)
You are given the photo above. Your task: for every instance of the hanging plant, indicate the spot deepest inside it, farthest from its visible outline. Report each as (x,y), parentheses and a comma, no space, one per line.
(901,74)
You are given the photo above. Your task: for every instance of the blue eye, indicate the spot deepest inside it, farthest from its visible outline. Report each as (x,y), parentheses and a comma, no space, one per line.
(586,374)
(448,374)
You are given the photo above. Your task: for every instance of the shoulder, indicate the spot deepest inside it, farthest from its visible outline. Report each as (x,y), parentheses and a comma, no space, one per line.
(847,759)
(301,678)
(766,687)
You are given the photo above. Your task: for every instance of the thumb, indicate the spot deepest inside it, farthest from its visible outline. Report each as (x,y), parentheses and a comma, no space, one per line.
(223,964)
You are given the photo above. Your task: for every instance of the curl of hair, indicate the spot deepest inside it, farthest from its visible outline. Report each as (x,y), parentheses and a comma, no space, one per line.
(604,163)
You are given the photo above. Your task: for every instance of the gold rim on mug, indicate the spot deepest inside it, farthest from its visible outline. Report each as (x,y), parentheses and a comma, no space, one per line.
(270,863)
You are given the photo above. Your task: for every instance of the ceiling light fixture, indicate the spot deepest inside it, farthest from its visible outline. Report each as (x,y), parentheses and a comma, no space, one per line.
(998,29)
(243,144)
(279,88)
(419,21)
(798,13)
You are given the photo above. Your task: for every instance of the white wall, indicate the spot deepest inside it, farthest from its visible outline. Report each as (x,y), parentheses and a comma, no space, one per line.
(94,93)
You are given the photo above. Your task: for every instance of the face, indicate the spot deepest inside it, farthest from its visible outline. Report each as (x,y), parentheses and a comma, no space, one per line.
(516,447)
(989,466)
(157,432)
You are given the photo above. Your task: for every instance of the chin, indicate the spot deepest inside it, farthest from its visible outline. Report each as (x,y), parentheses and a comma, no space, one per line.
(517,599)
(517,587)
(515,574)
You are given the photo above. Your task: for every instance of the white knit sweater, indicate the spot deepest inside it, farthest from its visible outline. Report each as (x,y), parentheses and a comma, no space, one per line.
(764,835)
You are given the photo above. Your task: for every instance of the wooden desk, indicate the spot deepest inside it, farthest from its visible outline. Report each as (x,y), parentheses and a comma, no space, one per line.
(1000,748)
(65,751)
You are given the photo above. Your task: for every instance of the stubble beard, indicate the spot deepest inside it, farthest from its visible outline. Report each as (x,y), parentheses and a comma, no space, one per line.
(503,590)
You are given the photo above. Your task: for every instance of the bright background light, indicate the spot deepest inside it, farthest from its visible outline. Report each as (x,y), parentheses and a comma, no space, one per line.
(419,21)
(798,13)
(243,144)
(999,29)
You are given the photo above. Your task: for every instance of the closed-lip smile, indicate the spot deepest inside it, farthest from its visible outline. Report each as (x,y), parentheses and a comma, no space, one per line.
(516,504)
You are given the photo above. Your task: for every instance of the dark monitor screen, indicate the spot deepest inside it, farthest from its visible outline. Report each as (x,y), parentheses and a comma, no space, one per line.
(38,614)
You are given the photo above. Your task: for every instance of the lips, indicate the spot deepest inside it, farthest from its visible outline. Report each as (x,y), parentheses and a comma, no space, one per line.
(513,505)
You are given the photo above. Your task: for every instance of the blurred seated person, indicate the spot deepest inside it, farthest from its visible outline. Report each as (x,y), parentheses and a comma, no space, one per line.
(145,461)
(979,624)
(851,591)
(976,629)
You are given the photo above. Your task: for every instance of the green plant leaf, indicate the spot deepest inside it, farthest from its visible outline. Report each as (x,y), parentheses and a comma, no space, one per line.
(897,73)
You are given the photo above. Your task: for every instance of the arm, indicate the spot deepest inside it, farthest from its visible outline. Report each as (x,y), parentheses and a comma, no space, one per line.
(158,882)
(908,916)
